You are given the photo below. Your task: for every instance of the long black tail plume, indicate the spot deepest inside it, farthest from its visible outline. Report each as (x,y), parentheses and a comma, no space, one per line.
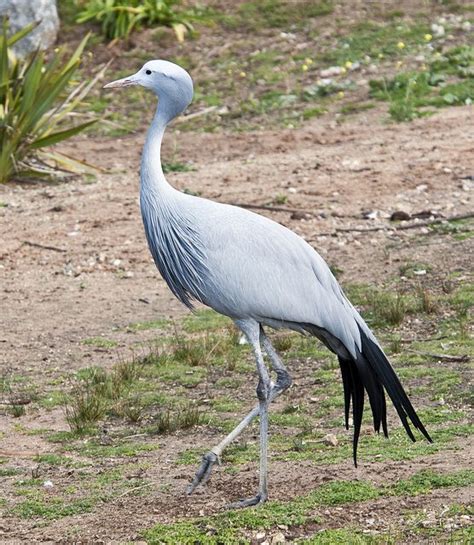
(371,371)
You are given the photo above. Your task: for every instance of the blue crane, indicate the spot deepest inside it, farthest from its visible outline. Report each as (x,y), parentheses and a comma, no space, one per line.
(258,273)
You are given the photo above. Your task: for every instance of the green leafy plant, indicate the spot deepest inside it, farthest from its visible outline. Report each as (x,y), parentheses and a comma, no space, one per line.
(120,17)
(36,104)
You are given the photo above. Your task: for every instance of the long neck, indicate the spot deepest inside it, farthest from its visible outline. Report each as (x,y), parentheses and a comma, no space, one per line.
(151,173)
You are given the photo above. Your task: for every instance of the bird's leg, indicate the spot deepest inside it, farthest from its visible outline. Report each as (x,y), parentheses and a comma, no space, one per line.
(252,331)
(283,383)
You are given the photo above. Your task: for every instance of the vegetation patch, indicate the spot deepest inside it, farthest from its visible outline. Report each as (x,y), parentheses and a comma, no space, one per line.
(231,527)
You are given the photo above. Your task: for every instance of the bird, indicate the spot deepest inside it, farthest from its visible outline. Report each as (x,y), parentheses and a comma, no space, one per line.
(260,274)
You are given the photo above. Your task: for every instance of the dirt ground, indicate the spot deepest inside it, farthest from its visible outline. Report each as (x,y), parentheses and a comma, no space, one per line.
(74,266)
(98,275)
(70,287)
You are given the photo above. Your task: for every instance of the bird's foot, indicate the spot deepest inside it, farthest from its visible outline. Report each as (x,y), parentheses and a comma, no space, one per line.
(204,471)
(249,502)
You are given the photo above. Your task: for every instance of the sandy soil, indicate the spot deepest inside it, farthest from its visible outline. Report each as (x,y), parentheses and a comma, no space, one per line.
(74,265)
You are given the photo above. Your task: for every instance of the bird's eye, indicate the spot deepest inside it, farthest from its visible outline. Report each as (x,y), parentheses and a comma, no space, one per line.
(147,72)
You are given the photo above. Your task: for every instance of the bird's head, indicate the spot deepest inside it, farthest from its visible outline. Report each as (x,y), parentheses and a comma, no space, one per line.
(170,83)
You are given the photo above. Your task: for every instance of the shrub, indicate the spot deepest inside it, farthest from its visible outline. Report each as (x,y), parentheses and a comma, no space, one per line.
(120,17)
(36,103)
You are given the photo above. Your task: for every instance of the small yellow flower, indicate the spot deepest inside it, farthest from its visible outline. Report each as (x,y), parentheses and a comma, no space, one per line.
(229,71)
(308,61)
(428,37)
(243,74)
(340,94)
(399,64)
(437,55)
(304,68)
(348,64)
(343,70)
(401,45)
(424,67)
(381,55)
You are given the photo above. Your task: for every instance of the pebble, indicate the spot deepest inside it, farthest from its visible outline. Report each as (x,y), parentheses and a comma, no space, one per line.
(332,71)
(437,30)
(331,440)
(399,215)
(48,485)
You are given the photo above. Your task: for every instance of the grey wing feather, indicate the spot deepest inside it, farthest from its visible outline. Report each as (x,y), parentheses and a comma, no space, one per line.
(258,268)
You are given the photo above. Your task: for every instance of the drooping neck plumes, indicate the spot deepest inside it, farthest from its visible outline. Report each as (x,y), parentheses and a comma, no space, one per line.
(174,242)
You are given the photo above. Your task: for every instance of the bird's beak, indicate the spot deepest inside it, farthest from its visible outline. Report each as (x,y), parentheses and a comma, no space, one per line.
(124,82)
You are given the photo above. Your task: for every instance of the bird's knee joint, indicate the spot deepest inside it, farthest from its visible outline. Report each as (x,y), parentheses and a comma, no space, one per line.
(283,380)
(263,390)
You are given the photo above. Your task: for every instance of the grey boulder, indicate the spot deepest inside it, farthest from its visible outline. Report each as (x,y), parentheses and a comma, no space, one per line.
(22,12)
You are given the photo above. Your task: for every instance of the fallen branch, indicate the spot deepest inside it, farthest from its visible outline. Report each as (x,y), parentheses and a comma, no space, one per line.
(396,227)
(447,357)
(206,111)
(129,491)
(272,208)
(43,246)
(19,401)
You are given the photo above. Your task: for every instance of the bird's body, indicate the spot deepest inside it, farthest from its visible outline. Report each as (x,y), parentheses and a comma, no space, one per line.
(249,266)
(259,273)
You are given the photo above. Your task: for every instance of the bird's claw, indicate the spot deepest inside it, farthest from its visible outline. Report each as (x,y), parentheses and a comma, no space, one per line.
(204,471)
(256,500)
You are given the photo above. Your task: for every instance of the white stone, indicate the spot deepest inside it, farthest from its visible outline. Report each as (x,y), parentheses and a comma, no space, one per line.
(24,12)
(331,71)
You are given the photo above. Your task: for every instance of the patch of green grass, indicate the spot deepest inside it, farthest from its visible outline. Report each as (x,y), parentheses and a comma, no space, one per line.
(183,418)
(427,480)
(96,393)
(55,460)
(53,508)
(356,107)
(409,92)
(260,14)
(342,536)
(100,342)
(177,167)
(93,449)
(52,399)
(381,307)
(315,111)
(229,527)
(204,320)
(9,471)
(374,39)
(153,324)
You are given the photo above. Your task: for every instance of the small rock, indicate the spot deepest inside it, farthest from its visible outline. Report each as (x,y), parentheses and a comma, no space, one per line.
(437,30)
(399,215)
(297,215)
(48,485)
(278,538)
(243,340)
(370,214)
(466,26)
(332,71)
(331,440)
(24,12)
(292,190)
(260,535)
